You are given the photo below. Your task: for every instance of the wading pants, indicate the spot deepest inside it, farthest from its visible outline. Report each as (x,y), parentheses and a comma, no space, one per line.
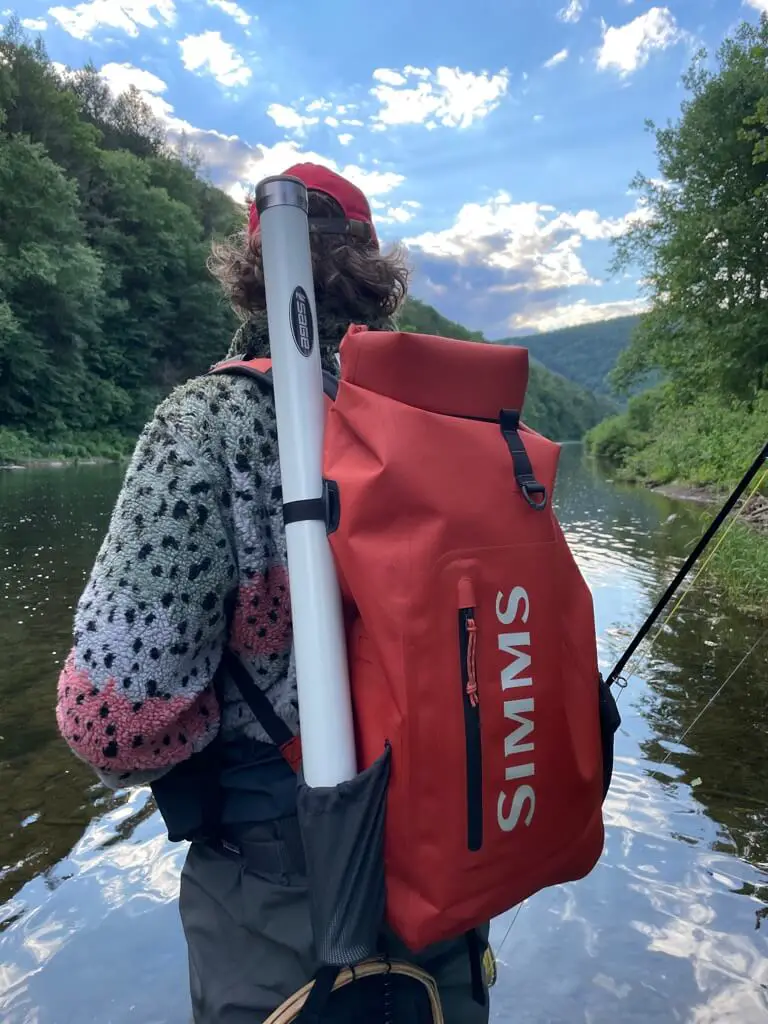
(246,921)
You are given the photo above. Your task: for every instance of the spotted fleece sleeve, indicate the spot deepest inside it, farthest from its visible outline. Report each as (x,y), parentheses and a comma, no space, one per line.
(135,695)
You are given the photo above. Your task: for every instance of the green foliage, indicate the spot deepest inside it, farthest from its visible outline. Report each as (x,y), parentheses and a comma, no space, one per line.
(559,408)
(701,247)
(19,446)
(554,406)
(50,284)
(708,442)
(740,566)
(585,354)
(419,318)
(105,299)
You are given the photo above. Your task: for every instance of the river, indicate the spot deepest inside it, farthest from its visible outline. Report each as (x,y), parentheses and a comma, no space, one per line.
(671,926)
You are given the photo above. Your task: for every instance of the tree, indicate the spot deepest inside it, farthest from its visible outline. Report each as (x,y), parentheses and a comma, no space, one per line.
(49,293)
(702,239)
(105,299)
(420,318)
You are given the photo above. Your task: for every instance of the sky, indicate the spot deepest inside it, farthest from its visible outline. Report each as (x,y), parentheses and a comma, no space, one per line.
(496,138)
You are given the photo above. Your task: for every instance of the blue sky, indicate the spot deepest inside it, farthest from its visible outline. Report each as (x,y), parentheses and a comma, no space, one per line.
(497,138)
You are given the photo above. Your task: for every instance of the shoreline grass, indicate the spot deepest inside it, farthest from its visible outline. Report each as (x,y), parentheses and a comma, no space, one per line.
(19,449)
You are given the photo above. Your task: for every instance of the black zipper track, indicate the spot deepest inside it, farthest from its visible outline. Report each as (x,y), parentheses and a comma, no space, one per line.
(472,741)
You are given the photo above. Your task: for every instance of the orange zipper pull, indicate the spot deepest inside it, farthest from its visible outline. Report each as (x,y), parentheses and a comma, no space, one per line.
(474,696)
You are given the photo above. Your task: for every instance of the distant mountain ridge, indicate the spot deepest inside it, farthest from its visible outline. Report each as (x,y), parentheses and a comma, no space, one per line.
(554,405)
(585,354)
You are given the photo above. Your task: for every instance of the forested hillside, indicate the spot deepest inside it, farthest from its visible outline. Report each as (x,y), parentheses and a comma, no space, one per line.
(586,353)
(421,318)
(557,407)
(105,299)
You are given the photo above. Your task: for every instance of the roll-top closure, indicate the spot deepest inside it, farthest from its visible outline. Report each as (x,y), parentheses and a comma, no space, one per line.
(475,380)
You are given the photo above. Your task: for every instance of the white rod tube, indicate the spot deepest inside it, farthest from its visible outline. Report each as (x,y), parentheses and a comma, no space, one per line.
(325,709)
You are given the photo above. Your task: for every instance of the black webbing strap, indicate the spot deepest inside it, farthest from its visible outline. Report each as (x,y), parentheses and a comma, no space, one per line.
(262,710)
(300,511)
(509,421)
(330,383)
(341,226)
(476,966)
(313,1010)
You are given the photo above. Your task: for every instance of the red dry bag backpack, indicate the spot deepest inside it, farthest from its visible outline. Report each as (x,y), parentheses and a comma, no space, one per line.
(471,634)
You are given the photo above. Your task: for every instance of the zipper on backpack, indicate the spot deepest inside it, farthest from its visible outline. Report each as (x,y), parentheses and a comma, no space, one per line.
(471,702)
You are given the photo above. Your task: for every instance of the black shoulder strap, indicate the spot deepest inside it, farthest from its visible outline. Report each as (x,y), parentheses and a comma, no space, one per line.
(330,383)
(256,700)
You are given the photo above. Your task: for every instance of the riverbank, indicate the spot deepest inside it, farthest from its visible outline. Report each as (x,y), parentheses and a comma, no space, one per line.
(752,513)
(739,552)
(60,463)
(697,453)
(21,450)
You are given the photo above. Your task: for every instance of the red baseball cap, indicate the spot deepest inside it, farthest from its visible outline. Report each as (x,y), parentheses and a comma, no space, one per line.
(353,203)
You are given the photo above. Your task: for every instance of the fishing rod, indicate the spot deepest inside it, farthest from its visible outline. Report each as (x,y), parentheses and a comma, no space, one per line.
(688,564)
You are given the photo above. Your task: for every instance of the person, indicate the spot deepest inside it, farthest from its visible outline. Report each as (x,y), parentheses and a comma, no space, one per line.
(194,562)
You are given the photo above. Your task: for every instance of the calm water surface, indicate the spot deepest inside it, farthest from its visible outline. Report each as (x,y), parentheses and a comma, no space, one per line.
(671,926)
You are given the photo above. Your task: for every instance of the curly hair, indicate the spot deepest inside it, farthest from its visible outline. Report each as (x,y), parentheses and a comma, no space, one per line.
(353,279)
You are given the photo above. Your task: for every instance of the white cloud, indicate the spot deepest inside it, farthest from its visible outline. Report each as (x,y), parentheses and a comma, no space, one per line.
(591,226)
(759,5)
(398,214)
(302,115)
(209,52)
(120,77)
(232,164)
(290,119)
(409,69)
(534,246)
(556,59)
(581,312)
(388,77)
(447,96)
(572,11)
(233,10)
(82,20)
(373,183)
(629,47)
(34,24)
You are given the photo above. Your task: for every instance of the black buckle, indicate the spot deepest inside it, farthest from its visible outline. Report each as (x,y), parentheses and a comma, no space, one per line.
(534,488)
(358,229)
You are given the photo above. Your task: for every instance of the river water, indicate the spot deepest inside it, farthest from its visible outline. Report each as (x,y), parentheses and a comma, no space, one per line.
(671,926)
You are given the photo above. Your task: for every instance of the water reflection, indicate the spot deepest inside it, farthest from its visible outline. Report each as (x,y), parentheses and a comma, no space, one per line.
(666,929)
